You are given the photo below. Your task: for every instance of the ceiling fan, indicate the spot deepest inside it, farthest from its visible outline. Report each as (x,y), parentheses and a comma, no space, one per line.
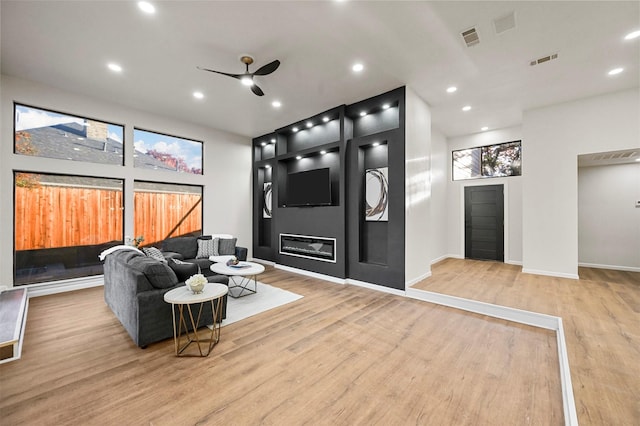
(247,77)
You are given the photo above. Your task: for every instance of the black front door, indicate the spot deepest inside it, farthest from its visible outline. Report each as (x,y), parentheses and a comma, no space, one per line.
(484,222)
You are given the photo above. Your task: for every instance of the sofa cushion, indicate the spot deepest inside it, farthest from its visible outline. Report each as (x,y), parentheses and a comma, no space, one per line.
(226,246)
(206,248)
(159,274)
(154,253)
(183,270)
(186,246)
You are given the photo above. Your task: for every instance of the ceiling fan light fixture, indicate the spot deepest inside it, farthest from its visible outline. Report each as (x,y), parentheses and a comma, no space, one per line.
(247,80)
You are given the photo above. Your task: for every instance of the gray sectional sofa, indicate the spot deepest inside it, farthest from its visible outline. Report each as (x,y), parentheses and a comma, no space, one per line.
(188,248)
(134,288)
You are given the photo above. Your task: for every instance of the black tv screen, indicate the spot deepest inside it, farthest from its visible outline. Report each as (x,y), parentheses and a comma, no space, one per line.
(309,188)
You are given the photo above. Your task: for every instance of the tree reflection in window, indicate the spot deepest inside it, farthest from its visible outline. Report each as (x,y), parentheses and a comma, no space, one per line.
(497,160)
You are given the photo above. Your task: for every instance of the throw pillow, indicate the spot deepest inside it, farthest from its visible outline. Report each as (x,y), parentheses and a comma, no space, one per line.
(154,253)
(227,246)
(158,274)
(183,270)
(206,248)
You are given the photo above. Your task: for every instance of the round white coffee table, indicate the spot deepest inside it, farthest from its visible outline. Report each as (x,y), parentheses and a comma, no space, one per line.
(183,296)
(246,272)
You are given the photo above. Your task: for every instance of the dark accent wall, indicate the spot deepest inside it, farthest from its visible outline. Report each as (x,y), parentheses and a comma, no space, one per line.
(365,250)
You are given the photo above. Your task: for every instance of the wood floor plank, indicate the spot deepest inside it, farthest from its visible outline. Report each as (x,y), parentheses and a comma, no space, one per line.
(341,355)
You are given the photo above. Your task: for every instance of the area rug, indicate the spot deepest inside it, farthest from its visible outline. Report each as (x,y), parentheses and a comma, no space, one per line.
(267,297)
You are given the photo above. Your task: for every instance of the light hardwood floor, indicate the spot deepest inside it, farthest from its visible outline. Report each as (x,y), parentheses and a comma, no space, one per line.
(342,355)
(601,319)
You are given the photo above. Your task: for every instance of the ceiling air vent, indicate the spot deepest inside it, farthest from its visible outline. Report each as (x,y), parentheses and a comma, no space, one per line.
(504,23)
(470,37)
(543,59)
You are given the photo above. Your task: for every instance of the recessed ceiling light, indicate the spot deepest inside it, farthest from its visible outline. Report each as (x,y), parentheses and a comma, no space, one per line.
(451,89)
(385,106)
(298,157)
(263,144)
(267,166)
(466,107)
(273,140)
(325,119)
(375,144)
(114,67)
(357,67)
(295,129)
(309,124)
(323,152)
(615,71)
(485,128)
(198,95)
(146,7)
(276,104)
(632,35)
(363,113)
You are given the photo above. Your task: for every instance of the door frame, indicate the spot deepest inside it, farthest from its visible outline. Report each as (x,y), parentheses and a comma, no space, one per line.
(461,225)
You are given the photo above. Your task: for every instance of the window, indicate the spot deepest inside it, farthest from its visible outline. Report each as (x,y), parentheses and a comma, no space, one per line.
(162,152)
(62,224)
(163,210)
(43,133)
(488,161)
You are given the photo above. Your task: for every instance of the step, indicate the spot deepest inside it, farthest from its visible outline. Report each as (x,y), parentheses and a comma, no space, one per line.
(13,318)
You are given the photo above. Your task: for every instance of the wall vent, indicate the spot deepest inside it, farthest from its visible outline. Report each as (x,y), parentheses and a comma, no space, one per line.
(470,37)
(504,23)
(543,59)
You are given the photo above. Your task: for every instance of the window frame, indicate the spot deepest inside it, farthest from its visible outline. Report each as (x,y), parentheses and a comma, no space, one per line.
(481,148)
(136,129)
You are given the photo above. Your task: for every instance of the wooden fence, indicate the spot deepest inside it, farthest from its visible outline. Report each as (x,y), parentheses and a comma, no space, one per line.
(53,216)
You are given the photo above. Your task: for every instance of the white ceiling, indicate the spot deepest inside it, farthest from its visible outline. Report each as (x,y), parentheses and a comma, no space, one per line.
(67,44)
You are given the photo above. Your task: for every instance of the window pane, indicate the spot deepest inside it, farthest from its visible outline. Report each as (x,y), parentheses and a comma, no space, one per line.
(62,224)
(501,160)
(466,164)
(49,134)
(163,210)
(162,152)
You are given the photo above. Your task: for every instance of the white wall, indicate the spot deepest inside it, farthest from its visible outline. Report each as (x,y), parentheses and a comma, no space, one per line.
(608,221)
(554,136)
(512,194)
(227,162)
(418,201)
(440,158)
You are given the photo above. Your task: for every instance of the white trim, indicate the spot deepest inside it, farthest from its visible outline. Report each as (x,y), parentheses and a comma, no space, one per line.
(17,348)
(264,262)
(440,259)
(496,311)
(310,274)
(568,402)
(424,276)
(44,289)
(523,317)
(549,273)
(613,267)
(513,262)
(376,287)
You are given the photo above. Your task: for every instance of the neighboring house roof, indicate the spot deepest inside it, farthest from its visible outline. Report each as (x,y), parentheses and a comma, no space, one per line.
(64,142)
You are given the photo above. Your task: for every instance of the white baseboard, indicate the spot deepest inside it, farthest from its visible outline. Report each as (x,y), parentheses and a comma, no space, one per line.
(612,267)
(310,274)
(513,262)
(424,276)
(264,262)
(440,259)
(534,319)
(550,273)
(376,287)
(44,289)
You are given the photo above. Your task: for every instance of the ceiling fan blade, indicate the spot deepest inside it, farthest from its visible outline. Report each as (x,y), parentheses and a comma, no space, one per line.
(258,91)
(268,69)
(223,73)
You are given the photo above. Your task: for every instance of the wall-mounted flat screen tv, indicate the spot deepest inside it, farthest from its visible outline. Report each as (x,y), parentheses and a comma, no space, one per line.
(309,188)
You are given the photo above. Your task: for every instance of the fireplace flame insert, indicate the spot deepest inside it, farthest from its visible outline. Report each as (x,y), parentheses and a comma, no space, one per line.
(316,248)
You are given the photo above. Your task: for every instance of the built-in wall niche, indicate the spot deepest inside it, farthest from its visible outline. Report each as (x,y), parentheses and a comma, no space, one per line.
(313,132)
(373,161)
(374,117)
(265,147)
(265,181)
(323,159)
